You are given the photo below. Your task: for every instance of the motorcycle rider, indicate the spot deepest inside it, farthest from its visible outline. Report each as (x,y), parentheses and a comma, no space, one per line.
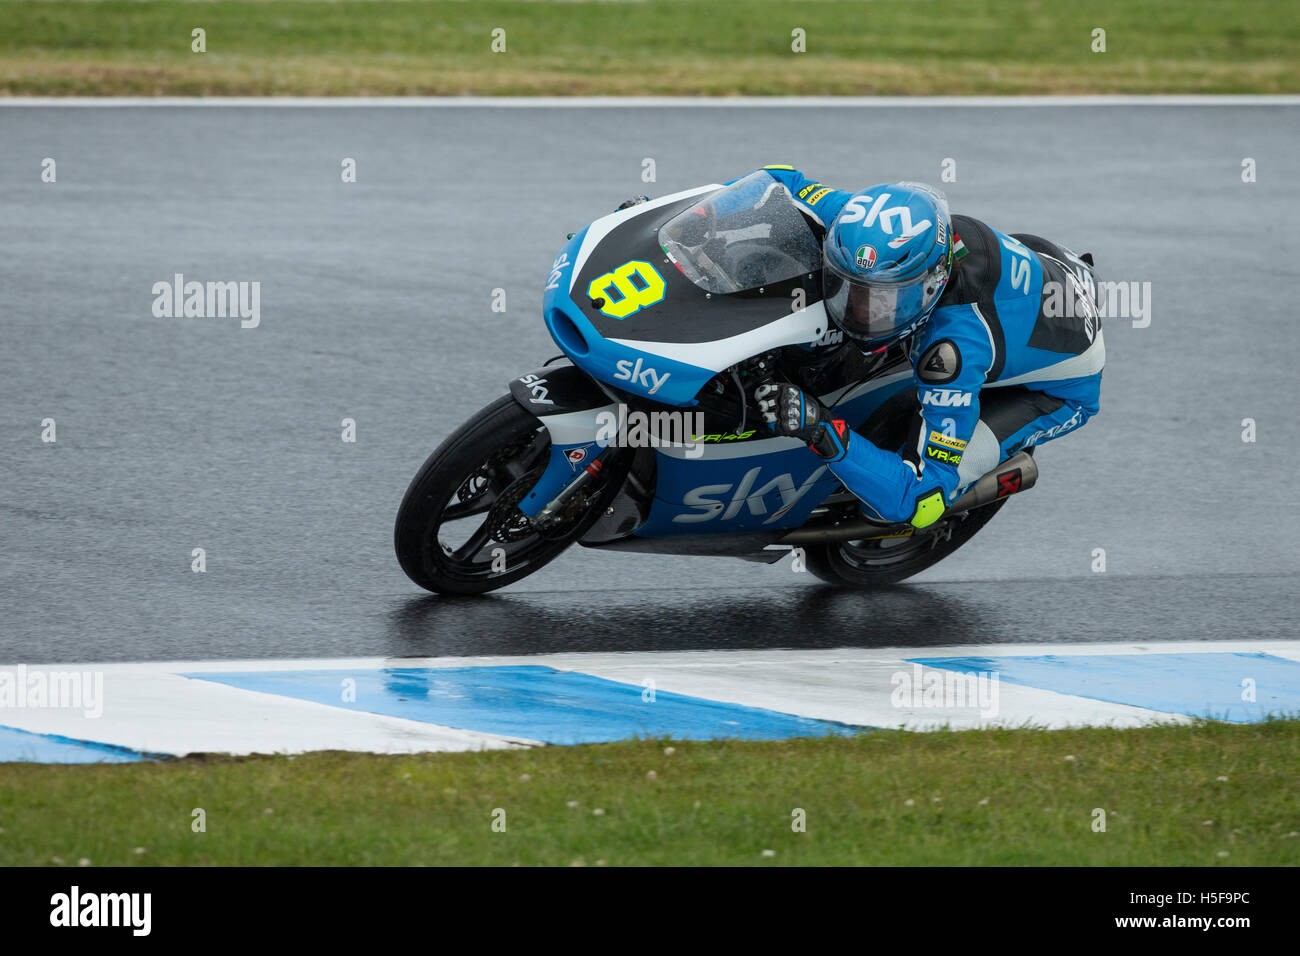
(1002,331)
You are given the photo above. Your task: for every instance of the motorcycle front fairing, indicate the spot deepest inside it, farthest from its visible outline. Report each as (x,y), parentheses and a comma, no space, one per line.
(634,307)
(655,301)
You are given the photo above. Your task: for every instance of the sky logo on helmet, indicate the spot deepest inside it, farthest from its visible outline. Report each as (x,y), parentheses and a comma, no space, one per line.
(856,210)
(865,257)
(909,236)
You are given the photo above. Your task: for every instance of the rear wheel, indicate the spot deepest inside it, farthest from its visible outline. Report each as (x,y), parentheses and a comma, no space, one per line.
(459,530)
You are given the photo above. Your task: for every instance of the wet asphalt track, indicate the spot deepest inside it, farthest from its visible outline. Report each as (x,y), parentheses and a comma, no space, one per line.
(183,433)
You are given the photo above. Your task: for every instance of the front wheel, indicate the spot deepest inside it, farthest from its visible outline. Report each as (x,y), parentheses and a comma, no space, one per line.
(459,530)
(880,562)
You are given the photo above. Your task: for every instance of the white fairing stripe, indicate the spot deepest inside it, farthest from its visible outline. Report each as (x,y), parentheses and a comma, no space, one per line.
(599,229)
(798,328)
(868,386)
(1086,363)
(570,428)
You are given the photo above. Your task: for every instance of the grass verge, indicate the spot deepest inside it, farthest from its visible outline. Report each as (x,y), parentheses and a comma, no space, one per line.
(429,47)
(1199,794)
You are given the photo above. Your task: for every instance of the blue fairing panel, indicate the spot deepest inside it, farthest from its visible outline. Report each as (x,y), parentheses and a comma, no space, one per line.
(761,492)
(642,373)
(560,470)
(774,488)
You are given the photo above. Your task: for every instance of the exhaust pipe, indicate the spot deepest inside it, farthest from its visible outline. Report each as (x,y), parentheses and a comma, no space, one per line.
(1018,473)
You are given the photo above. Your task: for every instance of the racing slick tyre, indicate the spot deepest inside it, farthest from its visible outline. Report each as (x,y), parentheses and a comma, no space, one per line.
(458,529)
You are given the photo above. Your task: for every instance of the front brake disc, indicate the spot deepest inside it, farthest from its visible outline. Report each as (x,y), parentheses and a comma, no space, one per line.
(505,521)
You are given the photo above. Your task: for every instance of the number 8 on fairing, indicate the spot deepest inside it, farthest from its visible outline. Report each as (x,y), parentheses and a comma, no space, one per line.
(629,288)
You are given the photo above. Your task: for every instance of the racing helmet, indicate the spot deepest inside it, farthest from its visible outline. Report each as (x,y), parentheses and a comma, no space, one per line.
(887,258)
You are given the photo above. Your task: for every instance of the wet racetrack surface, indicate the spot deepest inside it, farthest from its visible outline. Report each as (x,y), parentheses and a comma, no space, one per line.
(376,305)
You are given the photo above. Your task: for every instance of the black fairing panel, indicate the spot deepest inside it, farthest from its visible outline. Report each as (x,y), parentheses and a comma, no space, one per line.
(557,389)
(686,313)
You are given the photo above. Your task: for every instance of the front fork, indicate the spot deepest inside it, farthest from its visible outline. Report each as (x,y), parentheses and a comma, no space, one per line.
(579,450)
(576,413)
(554,512)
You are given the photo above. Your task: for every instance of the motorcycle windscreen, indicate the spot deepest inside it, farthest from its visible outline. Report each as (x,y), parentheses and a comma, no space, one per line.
(744,237)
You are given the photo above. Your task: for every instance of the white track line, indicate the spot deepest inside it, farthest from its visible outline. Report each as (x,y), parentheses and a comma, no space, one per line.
(683,102)
(689,658)
(151,707)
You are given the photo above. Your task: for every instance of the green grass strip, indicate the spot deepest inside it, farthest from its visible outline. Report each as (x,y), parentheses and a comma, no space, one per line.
(1197,794)
(722,47)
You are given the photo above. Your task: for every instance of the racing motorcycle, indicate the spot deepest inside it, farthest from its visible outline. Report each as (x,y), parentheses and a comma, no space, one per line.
(645,435)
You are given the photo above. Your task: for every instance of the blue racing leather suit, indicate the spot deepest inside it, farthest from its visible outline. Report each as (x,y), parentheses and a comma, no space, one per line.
(1018,320)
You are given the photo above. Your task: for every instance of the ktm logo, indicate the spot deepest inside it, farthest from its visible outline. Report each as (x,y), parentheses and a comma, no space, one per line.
(709,501)
(945,397)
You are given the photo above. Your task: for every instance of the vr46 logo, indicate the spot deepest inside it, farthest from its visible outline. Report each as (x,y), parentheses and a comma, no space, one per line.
(943,454)
(945,397)
(709,507)
(647,378)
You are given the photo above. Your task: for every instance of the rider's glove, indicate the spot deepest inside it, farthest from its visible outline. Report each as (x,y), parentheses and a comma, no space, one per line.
(634,201)
(790,411)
